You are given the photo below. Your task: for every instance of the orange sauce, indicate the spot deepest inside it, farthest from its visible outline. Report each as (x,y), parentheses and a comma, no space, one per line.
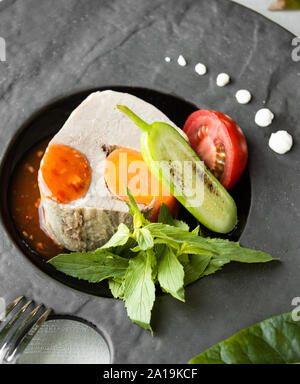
(24,203)
(65,174)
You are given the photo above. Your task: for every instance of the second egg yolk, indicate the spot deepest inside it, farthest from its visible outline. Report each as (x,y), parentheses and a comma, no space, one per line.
(125,167)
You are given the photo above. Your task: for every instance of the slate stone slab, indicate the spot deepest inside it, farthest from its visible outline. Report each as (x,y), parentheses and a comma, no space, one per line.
(57,48)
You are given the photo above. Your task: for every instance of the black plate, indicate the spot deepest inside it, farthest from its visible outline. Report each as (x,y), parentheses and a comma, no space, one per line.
(51,118)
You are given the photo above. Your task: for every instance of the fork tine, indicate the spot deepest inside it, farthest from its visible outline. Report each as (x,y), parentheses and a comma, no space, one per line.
(6,332)
(13,304)
(6,338)
(11,322)
(26,321)
(13,356)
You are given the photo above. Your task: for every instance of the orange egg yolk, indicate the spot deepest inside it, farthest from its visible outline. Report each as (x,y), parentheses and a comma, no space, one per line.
(125,167)
(65,174)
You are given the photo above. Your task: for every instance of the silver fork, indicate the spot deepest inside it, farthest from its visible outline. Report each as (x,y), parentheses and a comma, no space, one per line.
(17,329)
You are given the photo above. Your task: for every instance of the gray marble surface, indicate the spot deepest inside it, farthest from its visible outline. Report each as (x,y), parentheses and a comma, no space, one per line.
(60,47)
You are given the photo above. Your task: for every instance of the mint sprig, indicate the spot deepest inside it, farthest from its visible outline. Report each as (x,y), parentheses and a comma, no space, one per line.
(139,289)
(91,266)
(171,274)
(166,254)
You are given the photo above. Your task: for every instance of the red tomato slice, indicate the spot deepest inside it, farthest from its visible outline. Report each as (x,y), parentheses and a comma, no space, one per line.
(220,143)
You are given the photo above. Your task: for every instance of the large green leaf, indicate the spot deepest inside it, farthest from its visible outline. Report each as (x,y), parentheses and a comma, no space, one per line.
(192,244)
(273,341)
(171,274)
(139,290)
(91,266)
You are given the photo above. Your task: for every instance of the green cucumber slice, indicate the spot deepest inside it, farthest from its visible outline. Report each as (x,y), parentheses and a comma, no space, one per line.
(172,160)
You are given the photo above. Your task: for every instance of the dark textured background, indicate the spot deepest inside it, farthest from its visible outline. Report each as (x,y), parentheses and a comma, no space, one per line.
(55,48)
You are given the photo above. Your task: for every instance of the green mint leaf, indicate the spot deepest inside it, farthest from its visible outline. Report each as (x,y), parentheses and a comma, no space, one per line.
(138,218)
(144,239)
(119,238)
(139,292)
(91,266)
(197,266)
(191,243)
(171,274)
(195,249)
(165,217)
(176,237)
(197,231)
(184,259)
(194,267)
(272,341)
(153,258)
(216,264)
(168,242)
(137,221)
(234,252)
(125,250)
(181,224)
(132,205)
(116,288)
(136,249)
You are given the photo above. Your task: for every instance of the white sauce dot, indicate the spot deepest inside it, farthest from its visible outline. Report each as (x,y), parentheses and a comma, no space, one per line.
(222,79)
(264,117)
(281,142)
(200,69)
(243,96)
(181,61)
(167,59)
